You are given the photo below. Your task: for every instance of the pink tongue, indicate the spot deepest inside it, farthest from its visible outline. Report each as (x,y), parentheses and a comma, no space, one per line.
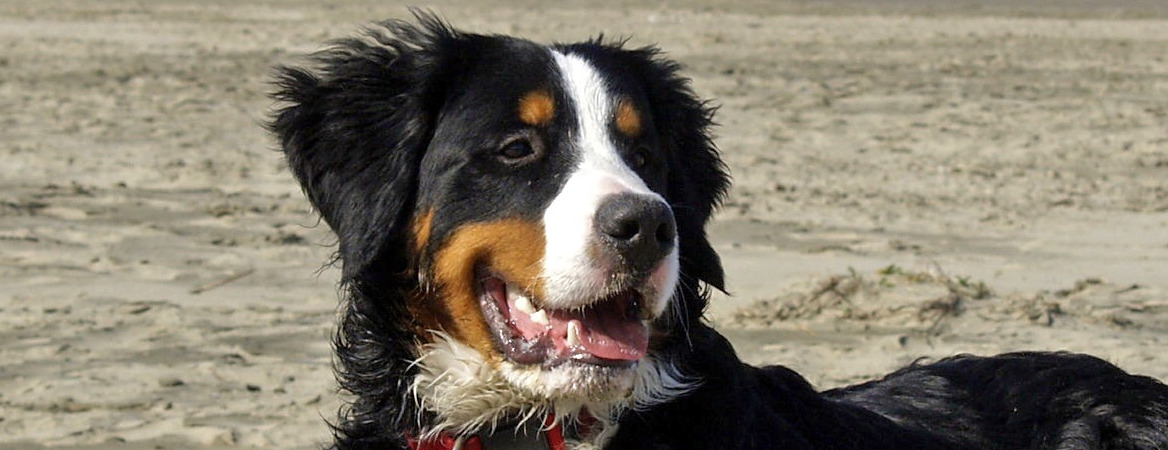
(611,337)
(605,331)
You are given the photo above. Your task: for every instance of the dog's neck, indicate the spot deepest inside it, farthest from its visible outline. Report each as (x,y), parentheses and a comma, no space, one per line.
(463,396)
(551,434)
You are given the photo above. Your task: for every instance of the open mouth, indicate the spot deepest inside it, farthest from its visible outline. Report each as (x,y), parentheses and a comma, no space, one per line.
(609,331)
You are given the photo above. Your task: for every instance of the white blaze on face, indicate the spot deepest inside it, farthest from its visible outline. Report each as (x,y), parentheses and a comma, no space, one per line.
(572,275)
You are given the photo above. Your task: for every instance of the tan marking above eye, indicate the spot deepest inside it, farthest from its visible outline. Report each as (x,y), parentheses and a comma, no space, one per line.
(628,119)
(537,108)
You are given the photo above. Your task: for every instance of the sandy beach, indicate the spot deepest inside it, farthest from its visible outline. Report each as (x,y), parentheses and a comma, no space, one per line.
(912,179)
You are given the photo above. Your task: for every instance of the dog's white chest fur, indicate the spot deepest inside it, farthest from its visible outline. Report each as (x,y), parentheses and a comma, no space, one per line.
(467,395)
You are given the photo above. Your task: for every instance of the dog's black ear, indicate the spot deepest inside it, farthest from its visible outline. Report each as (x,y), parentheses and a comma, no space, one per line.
(354,128)
(698,178)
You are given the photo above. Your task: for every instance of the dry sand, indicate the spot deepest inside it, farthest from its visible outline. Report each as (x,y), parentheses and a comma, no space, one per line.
(912,179)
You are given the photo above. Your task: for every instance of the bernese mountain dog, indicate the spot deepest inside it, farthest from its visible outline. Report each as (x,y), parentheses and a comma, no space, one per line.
(524,265)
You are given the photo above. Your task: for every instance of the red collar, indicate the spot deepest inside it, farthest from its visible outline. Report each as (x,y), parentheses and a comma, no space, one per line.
(553,433)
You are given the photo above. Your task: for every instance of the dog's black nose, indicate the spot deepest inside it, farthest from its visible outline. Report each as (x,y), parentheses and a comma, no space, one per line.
(639,227)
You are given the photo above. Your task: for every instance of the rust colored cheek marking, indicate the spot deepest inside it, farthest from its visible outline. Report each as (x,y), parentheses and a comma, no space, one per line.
(628,119)
(537,108)
(512,248)
(422,227)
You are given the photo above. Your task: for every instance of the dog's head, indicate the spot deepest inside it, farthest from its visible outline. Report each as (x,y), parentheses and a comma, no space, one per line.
(546,203)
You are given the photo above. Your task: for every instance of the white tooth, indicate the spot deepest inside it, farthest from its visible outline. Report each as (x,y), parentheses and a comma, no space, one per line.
(573,334)
(541,318)
(522,302)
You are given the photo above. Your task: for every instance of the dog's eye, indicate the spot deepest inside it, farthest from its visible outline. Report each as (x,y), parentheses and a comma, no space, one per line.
(518,150)
(639,157)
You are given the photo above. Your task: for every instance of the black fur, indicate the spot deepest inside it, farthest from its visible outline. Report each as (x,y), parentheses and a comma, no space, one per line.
(359,134)
(354,136)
